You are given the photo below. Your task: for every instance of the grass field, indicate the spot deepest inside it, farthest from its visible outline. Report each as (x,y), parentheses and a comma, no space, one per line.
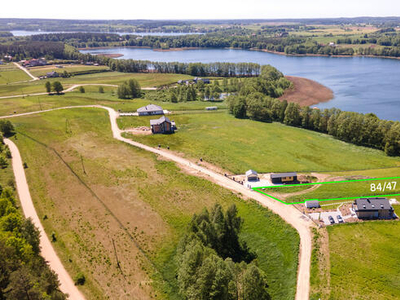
(348,189)
(104,192)
(92,96)
(10,73)
(238,145)
(43,70)
(364,261)
(144,79)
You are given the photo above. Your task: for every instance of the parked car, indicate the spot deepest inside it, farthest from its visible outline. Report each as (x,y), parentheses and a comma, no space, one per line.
(331,220)
(340,219)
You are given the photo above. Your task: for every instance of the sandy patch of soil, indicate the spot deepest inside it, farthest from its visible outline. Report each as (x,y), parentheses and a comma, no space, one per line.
(306,92)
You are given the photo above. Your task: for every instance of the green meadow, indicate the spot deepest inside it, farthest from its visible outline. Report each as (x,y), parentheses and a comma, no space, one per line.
(90,190)
(238,145)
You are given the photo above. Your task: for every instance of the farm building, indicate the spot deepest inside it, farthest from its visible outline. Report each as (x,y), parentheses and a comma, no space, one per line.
(373,208)
(149,110)
(284,177)
(312,204)
(211,108)
(52,75)
(162,125)
(197,79)
(34,62)
(251,175)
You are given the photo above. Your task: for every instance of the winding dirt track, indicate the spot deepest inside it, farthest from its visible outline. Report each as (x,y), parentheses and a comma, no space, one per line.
(289,213)
(26,71)
(46,248)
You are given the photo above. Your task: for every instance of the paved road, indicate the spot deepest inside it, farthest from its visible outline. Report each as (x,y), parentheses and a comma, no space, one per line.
(46,248)
(26,71)
(288,212)
(70,89)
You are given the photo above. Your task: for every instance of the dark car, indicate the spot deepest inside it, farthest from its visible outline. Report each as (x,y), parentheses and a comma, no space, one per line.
(340,219)
(331,220)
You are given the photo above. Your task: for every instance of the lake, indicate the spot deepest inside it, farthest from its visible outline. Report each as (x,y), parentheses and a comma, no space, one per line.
(361,84)
(29,33)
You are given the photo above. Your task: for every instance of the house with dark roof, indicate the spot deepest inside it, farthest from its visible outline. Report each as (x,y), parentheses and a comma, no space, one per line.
(52,74)
(373,208)
(251,175)
(162,125)
(150,110)
(284,177)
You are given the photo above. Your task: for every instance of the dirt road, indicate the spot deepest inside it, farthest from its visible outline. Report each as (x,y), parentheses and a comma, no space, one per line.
(46,248)
(26,71)
(288,212)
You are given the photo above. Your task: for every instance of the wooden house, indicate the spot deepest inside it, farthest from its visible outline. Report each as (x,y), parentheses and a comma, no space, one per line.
(162,125)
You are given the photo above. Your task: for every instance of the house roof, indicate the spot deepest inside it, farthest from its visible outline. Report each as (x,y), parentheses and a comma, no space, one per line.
(159,121)
(150,108)
(280,175)
(312,203)
(372,204)
(251,172)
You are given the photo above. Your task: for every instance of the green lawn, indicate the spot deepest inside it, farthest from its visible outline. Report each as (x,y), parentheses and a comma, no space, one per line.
(364,261)
(349,189)
(150,202)
(10,73)
(238,145)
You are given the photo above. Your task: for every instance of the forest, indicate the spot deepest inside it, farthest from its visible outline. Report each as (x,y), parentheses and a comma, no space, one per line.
(214,264)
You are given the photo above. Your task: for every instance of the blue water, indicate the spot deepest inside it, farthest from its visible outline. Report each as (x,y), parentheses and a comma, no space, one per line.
(29,33)
(359,84)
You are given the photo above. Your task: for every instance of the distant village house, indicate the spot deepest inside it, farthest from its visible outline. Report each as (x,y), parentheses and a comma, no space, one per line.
(150,110)
(34,62)
(52,75)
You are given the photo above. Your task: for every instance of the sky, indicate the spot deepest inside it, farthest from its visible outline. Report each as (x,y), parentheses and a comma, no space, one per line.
(198,9)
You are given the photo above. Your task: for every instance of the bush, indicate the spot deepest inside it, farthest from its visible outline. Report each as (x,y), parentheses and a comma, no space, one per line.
(79,279)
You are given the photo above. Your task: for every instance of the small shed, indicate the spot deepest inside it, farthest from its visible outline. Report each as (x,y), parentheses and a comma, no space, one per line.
(149,110)
(284,177)
(251,175)
(312,204)
(162,125)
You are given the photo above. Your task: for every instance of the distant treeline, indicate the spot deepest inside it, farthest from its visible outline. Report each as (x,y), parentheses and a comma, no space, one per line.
(356,128)
(194,69)
(32,49)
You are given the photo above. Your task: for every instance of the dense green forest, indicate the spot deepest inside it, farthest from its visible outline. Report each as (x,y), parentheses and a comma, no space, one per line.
(214,264)
(24,274)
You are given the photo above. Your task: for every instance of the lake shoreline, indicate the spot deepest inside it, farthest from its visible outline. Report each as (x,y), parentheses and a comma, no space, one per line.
(235,48)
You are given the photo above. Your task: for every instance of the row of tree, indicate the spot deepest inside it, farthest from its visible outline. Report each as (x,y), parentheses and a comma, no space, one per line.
(360,129)
(214,264)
